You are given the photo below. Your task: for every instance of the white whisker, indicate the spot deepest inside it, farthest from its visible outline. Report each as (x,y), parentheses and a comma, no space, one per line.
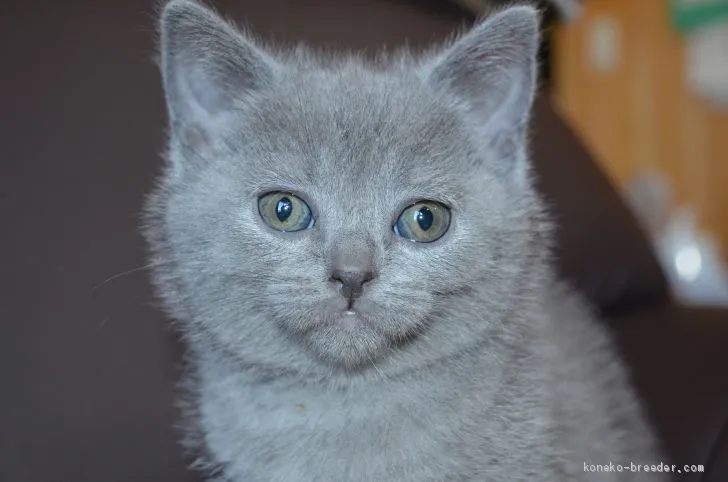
(123,273)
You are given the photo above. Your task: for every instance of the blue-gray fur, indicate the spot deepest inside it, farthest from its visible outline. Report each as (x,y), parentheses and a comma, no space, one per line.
(473,363)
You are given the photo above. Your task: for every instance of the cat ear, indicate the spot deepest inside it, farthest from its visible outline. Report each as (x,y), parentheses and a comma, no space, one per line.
(492,69)
(207,66)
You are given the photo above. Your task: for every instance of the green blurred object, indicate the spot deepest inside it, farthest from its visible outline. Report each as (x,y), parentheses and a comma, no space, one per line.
(688,15)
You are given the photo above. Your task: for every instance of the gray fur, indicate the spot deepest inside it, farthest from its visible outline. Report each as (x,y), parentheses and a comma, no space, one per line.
(473,363)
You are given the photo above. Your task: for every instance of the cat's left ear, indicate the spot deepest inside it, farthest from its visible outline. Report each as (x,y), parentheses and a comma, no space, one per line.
(491,71)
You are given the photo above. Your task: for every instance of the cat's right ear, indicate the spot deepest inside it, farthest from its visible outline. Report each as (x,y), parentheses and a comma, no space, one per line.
(208,68)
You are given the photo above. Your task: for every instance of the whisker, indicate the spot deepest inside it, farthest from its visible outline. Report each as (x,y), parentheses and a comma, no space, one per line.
(123,273)
(374,365)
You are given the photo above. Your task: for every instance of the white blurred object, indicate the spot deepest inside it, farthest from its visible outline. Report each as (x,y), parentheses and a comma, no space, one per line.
(707,58)
(569,9)
(603,46)
(690,258)
(692,262)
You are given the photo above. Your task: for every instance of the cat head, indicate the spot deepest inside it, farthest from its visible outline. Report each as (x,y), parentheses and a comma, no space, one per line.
(333,213)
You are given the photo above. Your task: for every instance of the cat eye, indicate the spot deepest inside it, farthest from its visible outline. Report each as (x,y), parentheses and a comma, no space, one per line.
(283,211)
(423,222)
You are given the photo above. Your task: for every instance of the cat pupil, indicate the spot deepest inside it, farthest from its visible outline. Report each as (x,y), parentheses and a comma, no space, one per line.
(284,209)
(424,218)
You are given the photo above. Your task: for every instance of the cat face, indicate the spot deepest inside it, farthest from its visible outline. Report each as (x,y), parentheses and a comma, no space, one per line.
(336,213)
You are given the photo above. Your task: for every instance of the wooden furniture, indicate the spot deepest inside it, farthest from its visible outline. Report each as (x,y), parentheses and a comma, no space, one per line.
(618,76)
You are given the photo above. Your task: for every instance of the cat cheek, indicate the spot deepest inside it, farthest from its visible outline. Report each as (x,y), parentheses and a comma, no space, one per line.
(192,138)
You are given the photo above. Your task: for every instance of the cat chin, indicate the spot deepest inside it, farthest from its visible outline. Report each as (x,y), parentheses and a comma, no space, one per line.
(349,342)
(352,338)
(354,342)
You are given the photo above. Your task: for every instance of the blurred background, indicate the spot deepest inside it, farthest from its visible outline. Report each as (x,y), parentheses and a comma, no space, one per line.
(644,83)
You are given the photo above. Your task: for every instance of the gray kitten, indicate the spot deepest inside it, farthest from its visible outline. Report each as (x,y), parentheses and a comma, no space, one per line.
(359,263)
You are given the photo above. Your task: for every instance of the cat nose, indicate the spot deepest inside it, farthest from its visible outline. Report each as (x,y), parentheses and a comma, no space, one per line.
(352,281)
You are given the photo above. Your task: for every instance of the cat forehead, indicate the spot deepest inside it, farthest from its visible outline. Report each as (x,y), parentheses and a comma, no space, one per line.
(376,126)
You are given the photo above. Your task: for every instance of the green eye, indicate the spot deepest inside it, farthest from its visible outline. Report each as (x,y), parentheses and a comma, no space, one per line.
(283,211)
(423,222)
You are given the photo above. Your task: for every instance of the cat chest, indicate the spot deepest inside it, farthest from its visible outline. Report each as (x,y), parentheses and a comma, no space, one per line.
(295,435)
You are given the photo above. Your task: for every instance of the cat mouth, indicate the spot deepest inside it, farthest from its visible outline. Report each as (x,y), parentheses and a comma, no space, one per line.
(348,339)
(350,319)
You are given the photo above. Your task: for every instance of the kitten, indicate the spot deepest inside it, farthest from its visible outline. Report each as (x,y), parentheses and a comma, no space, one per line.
(359,263)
